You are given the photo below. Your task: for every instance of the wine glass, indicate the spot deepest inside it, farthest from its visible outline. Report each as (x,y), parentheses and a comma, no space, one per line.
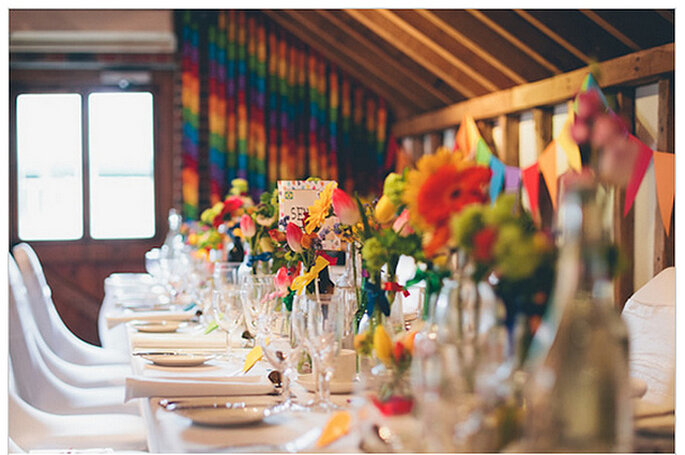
(256,291)
(228,312)
(316,321)
(280,347)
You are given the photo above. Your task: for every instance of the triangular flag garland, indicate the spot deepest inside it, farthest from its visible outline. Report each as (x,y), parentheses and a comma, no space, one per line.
(460,142)
(483,152)
(569,146)
(512,179)
(497,180)
(547,162)
(664,173)
(531,182)
(590,83)
(472,134)
(644,156)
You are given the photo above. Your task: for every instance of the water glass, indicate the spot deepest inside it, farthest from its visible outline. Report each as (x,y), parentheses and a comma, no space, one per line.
(228,312)
(256,292)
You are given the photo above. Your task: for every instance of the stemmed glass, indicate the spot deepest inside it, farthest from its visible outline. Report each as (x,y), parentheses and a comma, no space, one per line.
(256,290)
(316,321)
(281,348)
(228,312)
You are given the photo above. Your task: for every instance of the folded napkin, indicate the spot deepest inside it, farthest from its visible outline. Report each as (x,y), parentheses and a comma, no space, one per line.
(187,341)
(114,319)
(140,387)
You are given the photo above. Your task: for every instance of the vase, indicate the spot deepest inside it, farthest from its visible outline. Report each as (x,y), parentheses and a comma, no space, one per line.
(347,292)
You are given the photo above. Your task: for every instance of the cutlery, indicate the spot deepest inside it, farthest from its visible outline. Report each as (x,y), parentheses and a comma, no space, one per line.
(177,405)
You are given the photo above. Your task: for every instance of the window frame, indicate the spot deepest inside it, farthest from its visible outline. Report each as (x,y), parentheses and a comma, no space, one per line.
(85,82)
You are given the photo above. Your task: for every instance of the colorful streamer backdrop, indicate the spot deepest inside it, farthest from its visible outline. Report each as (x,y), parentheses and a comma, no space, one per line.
(275,110)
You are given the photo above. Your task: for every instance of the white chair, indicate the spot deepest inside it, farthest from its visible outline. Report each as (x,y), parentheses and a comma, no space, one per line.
(650,317)
(36,384)
(32,429)
(56,334)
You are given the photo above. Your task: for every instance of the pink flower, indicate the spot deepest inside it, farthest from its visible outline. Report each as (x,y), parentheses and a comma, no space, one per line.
(293,235)
(247,226)
(283,280)
(580,131)
(401,224)
(589,104)
(345,208)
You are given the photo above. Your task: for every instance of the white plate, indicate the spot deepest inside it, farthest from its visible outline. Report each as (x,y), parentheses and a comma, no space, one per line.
(156,326)
(178,359)
(338,387)
(222,416)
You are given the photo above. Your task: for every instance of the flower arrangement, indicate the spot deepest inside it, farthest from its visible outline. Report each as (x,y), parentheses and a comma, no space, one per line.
(504,244)
(257,225)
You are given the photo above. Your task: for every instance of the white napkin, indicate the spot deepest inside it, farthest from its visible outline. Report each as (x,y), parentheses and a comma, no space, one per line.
(140,387)
(186,341)
(114,319)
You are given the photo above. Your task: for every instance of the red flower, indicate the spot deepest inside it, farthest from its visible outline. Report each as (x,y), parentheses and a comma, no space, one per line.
(231,204)
(399,351)
(483,242)
(277,236)
(293,235)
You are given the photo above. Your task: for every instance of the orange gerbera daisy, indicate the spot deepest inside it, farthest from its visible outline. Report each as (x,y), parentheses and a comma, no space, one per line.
(441,185)
(318,211)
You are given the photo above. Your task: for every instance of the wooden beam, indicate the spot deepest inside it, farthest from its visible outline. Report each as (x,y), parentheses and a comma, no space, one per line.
(624,226)
(663,244)
(542,124)
(455,61)
(341,43)
(554,36)
(402,107)
(515,41)
(616,33)
(509,125)
(475,48)
(629,69)
(417,51)
(666,14)
(382,57)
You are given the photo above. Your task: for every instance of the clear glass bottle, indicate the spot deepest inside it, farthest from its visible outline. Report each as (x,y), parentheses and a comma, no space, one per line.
(173,244)
(580,398)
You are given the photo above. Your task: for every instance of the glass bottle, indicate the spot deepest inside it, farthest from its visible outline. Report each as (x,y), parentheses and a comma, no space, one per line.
(581,399)
(348,294)
(173,243)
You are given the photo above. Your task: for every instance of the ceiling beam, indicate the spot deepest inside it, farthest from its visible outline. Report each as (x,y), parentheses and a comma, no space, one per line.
(616,33)
(382,56)
(358,57)
(472,46)
(629,69)
(401,108)
(415,50)
(515,41)
(666,14)
(554,36)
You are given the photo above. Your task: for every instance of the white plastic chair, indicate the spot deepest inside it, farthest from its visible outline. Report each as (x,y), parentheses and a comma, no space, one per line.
(32,429)
(650,317)
(36,384)
(56,334)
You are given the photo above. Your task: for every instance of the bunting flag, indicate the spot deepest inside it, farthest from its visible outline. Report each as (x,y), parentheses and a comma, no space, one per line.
(547,162)
(512,179)
(644,156)
(467,137)
(260,105)
(590,83)
(497,180)
(664,173)
(190,102)
(483,152)
(531,181)
(569,146)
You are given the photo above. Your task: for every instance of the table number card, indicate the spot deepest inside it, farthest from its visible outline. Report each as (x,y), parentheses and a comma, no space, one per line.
(294,197)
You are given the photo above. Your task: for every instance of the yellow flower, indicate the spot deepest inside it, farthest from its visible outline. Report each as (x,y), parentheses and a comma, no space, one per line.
(385,210)
(382,345)
(319,210)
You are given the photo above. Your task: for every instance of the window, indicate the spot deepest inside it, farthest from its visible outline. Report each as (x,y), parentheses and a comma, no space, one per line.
(85,165)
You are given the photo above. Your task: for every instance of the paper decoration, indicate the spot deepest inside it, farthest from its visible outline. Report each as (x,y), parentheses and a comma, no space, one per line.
(294,197)
(472,134)
(569,146)
(460,141)
(590,83)
(644,156)
(548,167)
(497,180)
(483,152)
(252,357)
(337,426)
(531,182)
(664,173)
(512,179)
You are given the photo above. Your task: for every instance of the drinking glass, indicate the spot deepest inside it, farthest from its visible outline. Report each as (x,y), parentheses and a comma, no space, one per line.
(228,312)
(316,321)
(280,347)
(256,292)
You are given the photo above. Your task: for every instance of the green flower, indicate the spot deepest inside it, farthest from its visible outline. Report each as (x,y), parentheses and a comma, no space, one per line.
(465,225)
(238,187)
(374,254)
(393,187)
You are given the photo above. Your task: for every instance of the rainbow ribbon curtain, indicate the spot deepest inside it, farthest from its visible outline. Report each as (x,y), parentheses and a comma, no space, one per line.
(261,105)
